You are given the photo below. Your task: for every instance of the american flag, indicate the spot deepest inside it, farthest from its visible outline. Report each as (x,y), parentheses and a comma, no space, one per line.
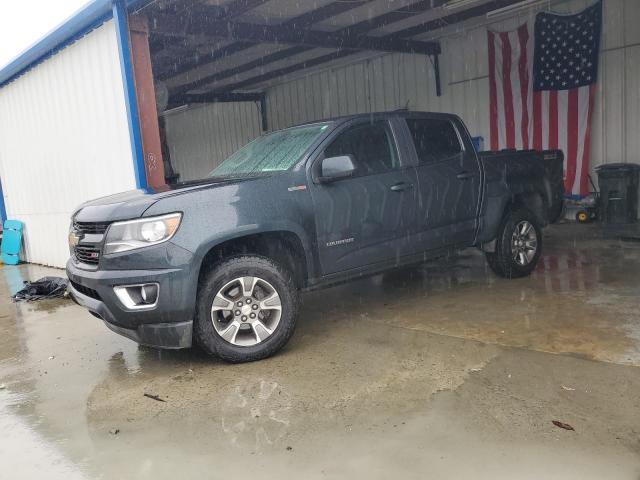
(541,90)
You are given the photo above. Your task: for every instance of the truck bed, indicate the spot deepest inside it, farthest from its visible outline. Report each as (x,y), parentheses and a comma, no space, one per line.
(534,176)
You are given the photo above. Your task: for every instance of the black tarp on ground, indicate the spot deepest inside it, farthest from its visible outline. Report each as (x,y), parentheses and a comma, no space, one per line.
(46,287)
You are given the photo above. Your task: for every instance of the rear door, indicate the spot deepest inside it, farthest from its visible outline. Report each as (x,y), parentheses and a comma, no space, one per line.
(448,173)
(365,219)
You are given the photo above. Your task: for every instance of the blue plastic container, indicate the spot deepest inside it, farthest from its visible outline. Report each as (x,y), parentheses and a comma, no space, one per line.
(478,143)
(11,241)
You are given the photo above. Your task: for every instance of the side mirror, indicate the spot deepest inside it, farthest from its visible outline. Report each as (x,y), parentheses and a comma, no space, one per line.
(336,168)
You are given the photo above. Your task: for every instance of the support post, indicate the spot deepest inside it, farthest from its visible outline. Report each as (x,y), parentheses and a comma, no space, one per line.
(263,112)
(126,67)
(436,72)
(146,99)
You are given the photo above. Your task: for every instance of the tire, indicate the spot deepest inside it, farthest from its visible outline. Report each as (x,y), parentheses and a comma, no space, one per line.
(502,261)
(231,334)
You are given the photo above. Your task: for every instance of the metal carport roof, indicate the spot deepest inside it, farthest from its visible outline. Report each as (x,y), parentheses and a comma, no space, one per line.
(222,46)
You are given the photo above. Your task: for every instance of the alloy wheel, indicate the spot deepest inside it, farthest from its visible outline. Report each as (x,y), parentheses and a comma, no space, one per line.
(246,311)
(524,243)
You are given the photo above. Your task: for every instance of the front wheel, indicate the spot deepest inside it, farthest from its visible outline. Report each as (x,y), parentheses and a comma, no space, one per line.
(247,308)
(518,245)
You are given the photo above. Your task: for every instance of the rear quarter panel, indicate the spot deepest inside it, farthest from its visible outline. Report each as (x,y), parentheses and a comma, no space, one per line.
(512,177)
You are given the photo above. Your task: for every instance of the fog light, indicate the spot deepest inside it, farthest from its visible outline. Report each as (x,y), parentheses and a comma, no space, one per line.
(143,295)
(149,293)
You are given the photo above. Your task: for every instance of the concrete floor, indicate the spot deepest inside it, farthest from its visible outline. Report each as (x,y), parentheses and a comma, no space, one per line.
(437,371)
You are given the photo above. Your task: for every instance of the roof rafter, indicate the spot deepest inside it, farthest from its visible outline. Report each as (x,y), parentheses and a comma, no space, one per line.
(410,31)
(199,10)
(304,20)
(240,7)
(283,34)
(362,27)
(215,97)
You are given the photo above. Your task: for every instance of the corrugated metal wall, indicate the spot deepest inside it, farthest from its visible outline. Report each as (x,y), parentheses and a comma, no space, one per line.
(200,137)
(383,83)
(64,140)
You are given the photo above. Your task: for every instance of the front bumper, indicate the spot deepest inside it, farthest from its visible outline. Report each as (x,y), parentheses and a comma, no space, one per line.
(168,325)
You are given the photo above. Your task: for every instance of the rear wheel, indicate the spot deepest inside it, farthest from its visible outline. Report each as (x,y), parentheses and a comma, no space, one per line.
(247,309)
(518,245)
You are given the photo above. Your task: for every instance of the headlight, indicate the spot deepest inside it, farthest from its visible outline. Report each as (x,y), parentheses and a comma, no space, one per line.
(132,234)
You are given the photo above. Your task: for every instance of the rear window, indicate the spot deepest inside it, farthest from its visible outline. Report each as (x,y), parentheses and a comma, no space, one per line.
(435,139)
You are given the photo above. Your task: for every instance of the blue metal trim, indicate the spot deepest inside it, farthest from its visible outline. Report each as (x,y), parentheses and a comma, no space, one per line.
(126,66)
(3,211)
(79,24)
(573,196)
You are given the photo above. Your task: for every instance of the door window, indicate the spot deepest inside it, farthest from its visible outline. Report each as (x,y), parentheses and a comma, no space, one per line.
(371,146)
(435,140)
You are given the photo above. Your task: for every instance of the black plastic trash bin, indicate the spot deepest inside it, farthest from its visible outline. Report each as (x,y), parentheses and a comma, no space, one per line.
(619,192)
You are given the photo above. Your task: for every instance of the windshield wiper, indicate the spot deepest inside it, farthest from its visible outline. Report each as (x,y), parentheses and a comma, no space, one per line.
(240,176)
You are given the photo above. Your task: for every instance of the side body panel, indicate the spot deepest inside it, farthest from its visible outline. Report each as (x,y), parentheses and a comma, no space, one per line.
(363,220)
(449,191)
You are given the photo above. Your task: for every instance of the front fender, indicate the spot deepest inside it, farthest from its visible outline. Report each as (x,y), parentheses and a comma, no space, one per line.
(255,229)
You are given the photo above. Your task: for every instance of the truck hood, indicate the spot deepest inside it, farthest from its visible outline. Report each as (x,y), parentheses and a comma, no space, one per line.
(133,204)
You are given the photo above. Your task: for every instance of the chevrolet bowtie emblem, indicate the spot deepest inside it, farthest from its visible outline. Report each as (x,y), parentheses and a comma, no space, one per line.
(74,238)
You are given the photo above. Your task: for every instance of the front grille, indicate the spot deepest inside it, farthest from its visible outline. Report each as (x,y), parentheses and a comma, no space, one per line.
(89,292)
(84,254)
(90,227)
(89,253)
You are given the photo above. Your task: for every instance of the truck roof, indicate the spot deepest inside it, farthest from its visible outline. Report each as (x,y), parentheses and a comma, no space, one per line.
(378,115)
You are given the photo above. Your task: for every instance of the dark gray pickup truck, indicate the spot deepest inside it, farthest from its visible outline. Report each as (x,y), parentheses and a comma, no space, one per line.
(222,261)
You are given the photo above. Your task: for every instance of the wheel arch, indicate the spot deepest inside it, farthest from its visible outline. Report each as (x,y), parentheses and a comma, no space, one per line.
(534,203)
(498,209)
(283,246)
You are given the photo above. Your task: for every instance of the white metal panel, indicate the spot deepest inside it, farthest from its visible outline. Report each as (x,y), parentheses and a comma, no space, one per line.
(632,106)
(201,137)
(612,105)
(64,140)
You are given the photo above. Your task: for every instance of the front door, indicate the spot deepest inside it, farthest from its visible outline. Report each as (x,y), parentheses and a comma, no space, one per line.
(365,219)
(448,183)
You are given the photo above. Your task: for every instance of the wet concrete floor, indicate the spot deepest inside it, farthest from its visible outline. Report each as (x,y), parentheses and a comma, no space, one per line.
(436,371)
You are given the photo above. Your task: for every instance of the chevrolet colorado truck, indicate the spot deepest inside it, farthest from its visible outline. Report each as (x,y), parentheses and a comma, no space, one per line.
(221,262)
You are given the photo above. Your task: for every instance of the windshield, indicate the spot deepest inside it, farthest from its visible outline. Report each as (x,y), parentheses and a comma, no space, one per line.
(275,152)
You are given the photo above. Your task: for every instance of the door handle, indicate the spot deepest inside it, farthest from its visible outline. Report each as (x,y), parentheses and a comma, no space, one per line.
(401,187)
(464,175)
